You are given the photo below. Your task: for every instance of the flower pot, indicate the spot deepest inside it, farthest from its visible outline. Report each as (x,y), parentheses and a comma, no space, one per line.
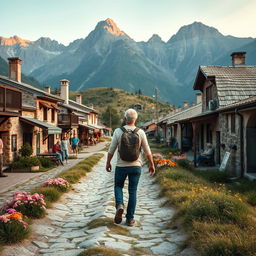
(35,168)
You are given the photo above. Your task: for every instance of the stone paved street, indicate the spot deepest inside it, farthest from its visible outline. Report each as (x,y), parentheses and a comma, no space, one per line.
(65,232)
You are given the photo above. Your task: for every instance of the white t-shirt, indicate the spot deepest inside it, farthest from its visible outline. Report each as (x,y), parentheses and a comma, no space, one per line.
(116,141)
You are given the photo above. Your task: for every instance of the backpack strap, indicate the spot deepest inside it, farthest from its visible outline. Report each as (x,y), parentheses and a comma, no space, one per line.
(123,129)
(136,130)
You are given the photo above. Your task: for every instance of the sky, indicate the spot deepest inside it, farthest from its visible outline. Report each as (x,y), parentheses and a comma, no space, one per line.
(68,20)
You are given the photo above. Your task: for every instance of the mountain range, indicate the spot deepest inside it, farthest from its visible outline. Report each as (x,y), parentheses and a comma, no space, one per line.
(108,57)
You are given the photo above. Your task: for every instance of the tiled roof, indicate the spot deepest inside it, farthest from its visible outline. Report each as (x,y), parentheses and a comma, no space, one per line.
(81,106)
(240,104)
(185,114)
(234,83)
(28,87)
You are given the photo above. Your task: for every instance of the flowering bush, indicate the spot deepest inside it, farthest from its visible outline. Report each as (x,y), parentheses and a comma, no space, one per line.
(13,228)
(164,162)
(59,183)
(30,205)
(158,156)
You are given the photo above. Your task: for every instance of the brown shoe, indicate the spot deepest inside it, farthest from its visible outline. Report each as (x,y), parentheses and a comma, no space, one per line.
(119,213)
(130,223)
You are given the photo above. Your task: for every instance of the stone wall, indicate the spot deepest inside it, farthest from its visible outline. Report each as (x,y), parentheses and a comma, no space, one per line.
(228,139)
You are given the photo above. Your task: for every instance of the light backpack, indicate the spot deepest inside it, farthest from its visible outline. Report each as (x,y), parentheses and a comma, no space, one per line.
(129,149)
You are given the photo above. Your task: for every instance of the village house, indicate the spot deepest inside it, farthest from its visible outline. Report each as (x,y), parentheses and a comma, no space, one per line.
(176,128)
(225,118)
(228,113)
(28,115)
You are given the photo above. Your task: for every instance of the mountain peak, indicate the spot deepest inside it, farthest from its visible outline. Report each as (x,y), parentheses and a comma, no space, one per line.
(14,40)
(112,27)
(196,29)
(155,39)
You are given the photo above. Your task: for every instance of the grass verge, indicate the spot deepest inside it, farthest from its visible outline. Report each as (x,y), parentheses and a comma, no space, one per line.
(213,208)
(99,251)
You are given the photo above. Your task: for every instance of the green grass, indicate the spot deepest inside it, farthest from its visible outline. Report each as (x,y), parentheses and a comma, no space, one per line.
(213,208)
(51,194)
(75,173)
(99,251)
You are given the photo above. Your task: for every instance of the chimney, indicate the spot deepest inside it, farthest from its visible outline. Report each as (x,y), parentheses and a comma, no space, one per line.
(47,89)
(79,98)
(198,98)
(185,104)
(64,90)
(238,58)
(15,69)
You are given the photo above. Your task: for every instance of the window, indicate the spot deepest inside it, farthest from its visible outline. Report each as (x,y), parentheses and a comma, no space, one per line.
(53,115)
(14,143)
(233,123)
(209,95)
(45,113)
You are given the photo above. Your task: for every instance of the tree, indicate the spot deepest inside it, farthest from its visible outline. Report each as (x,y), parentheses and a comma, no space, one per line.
(111,117)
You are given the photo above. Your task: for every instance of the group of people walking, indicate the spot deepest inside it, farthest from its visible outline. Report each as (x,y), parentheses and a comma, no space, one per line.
(63,147)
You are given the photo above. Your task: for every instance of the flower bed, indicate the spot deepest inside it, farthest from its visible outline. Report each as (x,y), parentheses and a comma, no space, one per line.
(32,206)
(59,183)
(13,227)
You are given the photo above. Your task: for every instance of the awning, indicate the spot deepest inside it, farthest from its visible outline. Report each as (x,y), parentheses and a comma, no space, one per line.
(86,126)
(51,129)
(94,126)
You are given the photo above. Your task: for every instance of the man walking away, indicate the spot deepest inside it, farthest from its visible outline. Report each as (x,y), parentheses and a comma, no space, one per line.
(129,140)
(1,159)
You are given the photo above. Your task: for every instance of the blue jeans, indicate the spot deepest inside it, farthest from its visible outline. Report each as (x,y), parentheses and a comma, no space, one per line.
(65,154)
(60,156)
(200,157)
(133,173)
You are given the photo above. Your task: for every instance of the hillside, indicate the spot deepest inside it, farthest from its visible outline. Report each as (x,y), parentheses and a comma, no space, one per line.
(121,100)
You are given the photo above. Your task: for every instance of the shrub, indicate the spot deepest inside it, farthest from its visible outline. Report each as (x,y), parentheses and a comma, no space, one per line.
(26,150)
(45,162)
(51,194)
(99,251)
(13,228)
(31,205)
(58,183)
(25,162)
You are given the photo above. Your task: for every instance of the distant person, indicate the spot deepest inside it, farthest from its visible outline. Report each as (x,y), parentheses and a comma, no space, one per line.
(207,154)
(65,146)
(129,140)
(74,144)
(57,150)
(1,159)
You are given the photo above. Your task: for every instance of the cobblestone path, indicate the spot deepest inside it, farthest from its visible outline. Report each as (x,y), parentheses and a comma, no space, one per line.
(65,230)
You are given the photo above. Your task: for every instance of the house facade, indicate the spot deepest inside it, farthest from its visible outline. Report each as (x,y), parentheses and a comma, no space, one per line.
(226,116)
(29,115)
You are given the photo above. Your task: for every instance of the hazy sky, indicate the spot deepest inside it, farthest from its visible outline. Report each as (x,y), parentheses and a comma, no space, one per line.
(67,20)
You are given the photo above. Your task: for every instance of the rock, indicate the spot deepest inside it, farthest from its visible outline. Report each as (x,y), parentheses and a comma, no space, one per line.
(41,245)
(118,245)
(88,243)
(164,248)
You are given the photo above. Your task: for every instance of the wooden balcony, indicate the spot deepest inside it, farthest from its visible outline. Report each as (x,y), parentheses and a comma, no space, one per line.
(10,101)
(67,120)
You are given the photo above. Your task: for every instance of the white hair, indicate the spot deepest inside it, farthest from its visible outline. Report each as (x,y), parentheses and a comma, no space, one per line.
(130,115)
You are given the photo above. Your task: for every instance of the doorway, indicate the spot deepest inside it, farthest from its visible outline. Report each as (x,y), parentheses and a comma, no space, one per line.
(251,144)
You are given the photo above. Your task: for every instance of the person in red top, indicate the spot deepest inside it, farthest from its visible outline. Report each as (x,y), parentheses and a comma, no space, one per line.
(56,149)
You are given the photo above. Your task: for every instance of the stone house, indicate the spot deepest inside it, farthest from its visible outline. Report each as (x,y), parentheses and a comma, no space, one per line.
(29,115)
(76,118)
(226,120)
